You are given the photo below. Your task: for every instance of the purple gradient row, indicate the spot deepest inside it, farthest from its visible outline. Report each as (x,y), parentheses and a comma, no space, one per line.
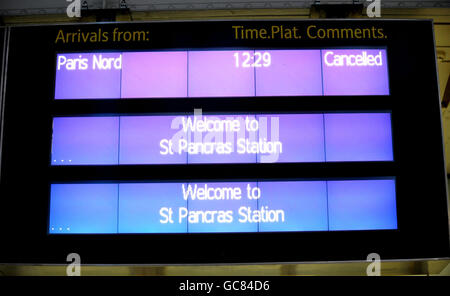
(230,73)
(304,138)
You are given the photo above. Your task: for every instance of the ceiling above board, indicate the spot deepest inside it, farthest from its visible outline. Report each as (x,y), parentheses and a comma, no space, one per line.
(30,7)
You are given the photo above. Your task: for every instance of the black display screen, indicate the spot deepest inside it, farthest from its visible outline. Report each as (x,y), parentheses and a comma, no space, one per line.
(315,141)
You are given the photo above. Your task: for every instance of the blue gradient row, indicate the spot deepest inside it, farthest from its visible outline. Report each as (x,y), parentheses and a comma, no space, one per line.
(305,137)
(144,207)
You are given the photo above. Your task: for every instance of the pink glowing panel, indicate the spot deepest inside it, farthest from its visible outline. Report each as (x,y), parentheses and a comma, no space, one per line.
(154,74)
(288,73)
(355,72)
(216,74)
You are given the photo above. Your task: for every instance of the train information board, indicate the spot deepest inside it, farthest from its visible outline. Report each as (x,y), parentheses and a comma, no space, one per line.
(222,142)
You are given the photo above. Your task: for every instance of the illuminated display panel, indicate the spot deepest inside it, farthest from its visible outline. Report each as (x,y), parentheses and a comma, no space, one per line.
(221,73)
(140,206)
(83,76)
(292,73)
(229,146)
(358,137)
(84,208)
(153,74)
(301,135)
(259,206)
(140,138)
(258,138)
(371,203)
(85,140)
(354,72)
